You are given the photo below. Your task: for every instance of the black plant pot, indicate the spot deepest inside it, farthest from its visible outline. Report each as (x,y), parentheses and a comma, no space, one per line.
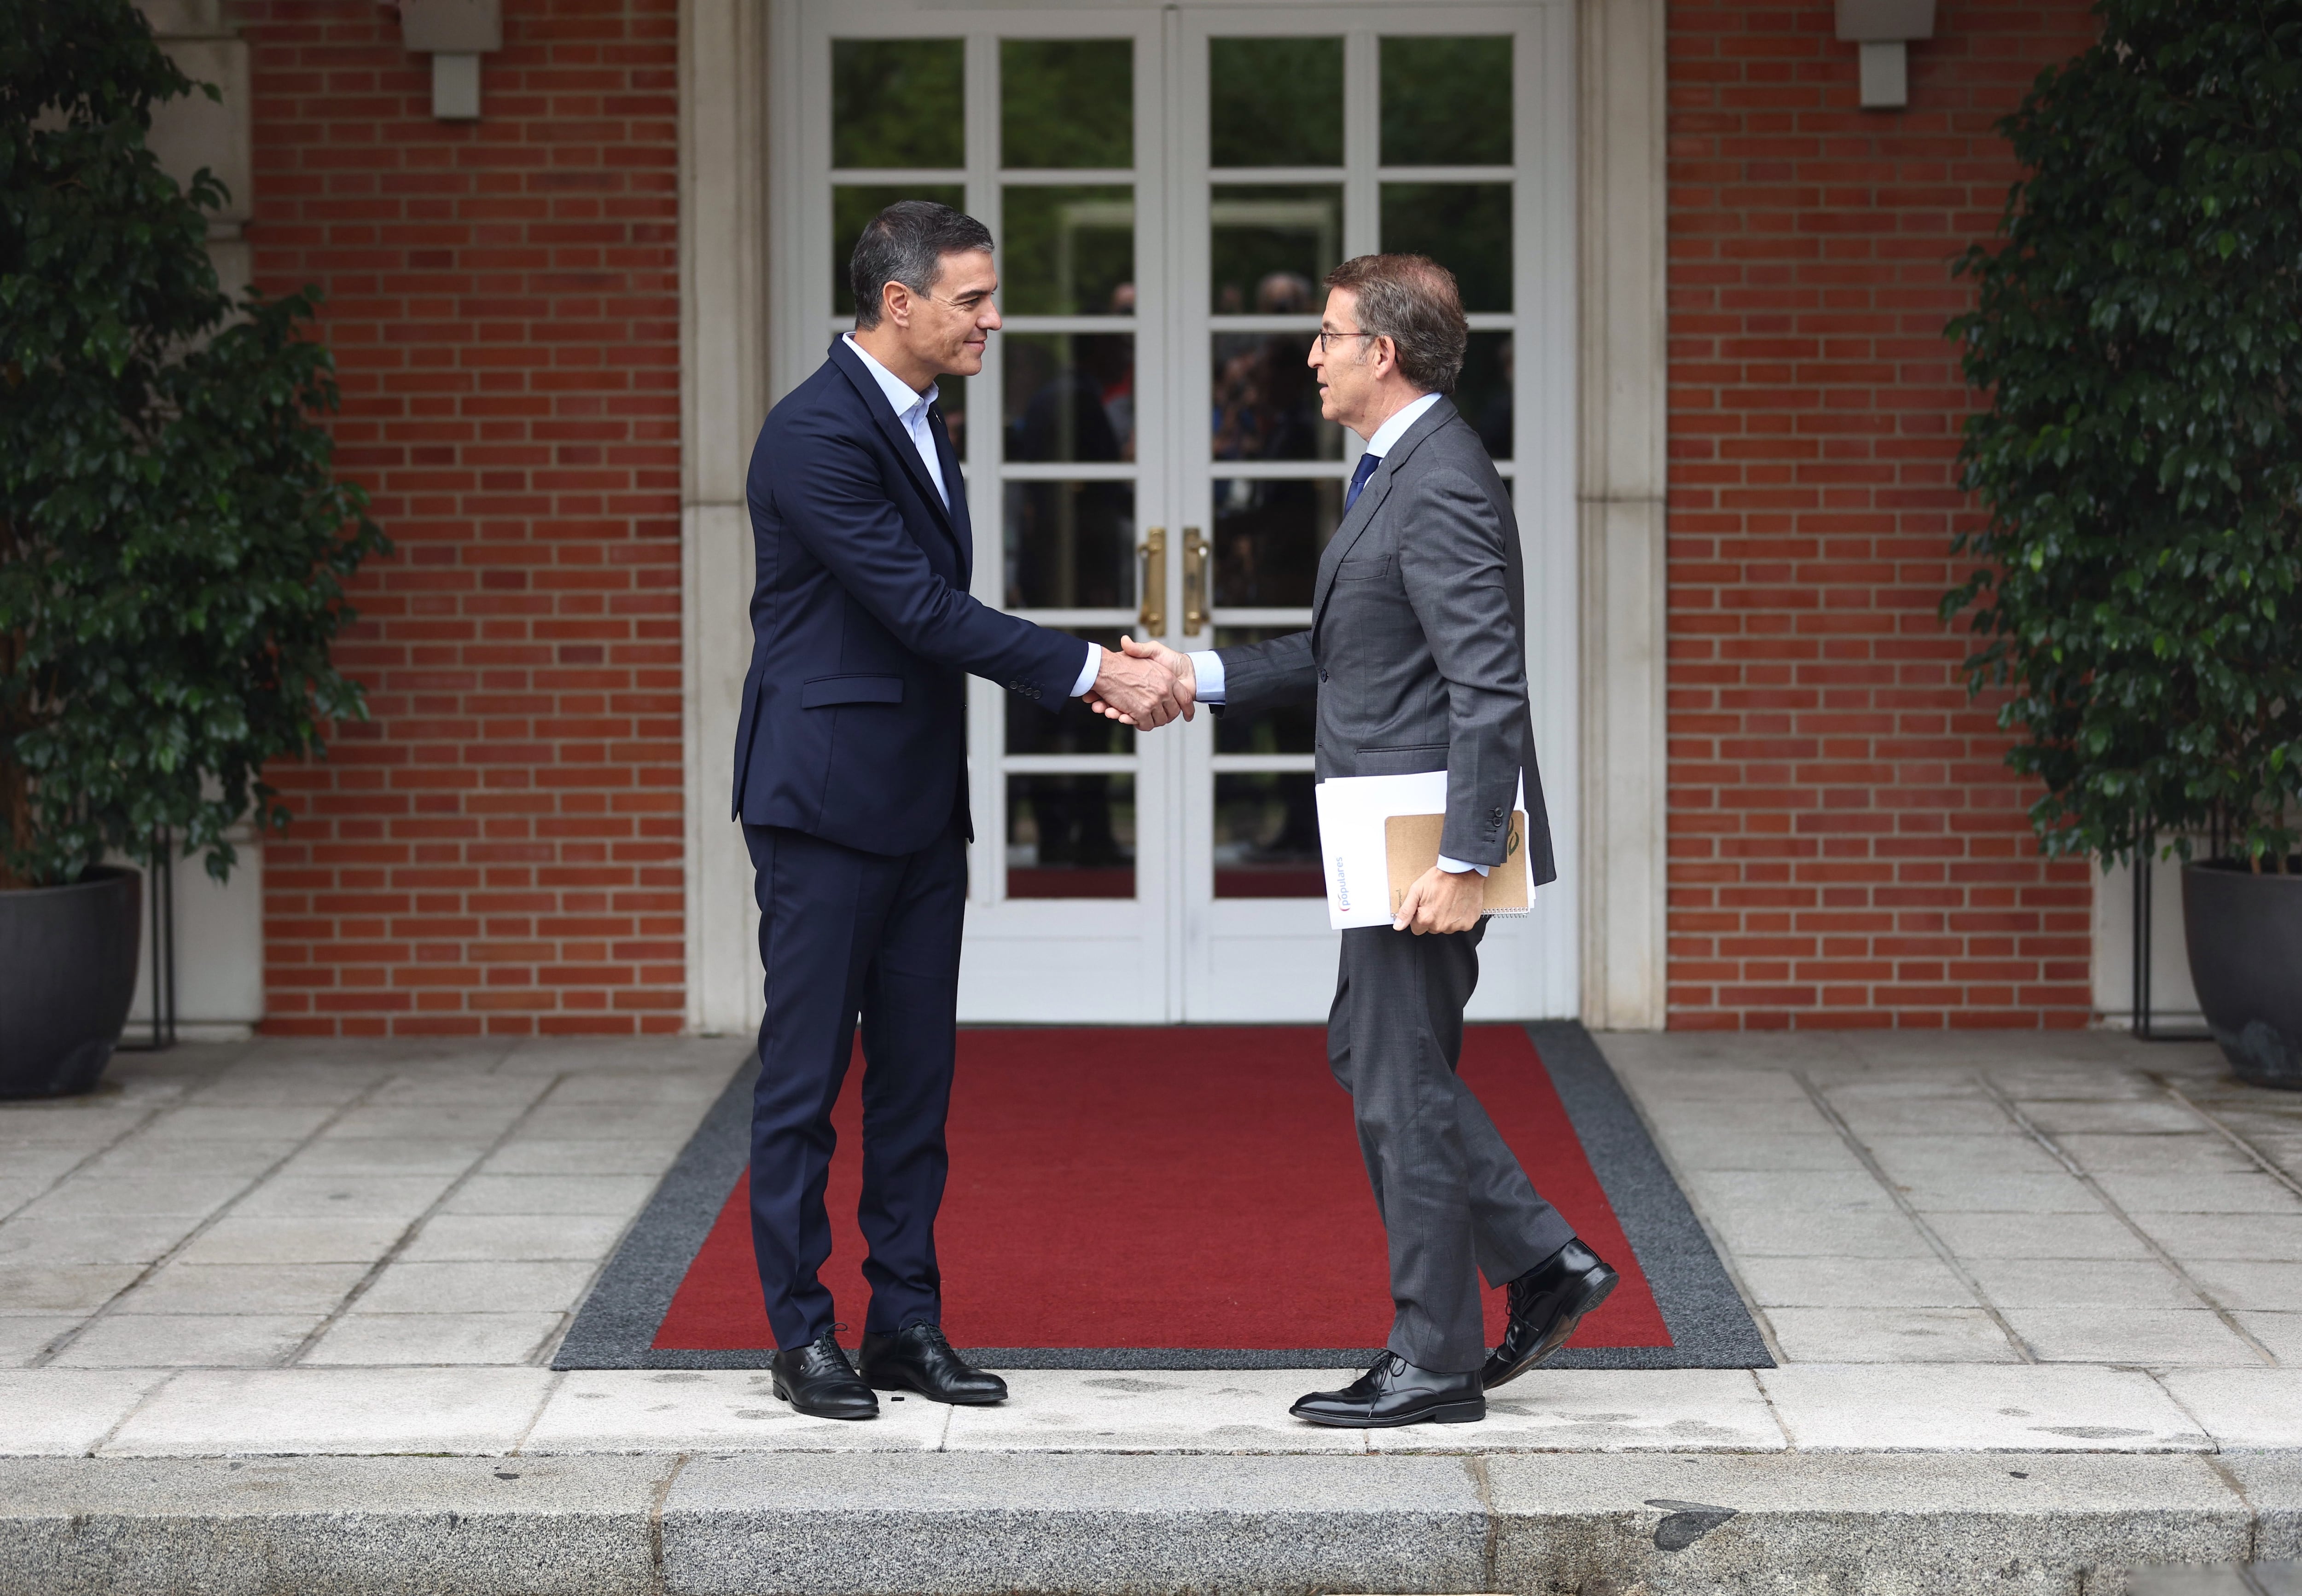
(67,976)
(2244,936)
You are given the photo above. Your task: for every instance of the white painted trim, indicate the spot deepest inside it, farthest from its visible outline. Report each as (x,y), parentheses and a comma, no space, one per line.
(723,397)
(1623,491)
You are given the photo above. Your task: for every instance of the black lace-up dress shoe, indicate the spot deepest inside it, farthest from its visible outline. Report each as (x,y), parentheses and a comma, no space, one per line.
(917,1359)
(817,1380)
(1396,1392)
(1546,1304)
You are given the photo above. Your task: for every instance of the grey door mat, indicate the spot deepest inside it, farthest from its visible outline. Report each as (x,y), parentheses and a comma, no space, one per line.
(1710,1326)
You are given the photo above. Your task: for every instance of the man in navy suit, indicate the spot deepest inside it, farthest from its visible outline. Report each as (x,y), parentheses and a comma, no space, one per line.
(851,781)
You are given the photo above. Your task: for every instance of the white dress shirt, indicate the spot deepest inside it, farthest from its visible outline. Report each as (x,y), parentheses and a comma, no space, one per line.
(1207,665)
(910,409)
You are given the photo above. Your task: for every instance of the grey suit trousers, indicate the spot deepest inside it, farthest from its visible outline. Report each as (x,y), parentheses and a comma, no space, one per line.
(1454,1202)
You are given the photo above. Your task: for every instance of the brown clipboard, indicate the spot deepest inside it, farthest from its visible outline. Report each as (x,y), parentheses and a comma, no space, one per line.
(1411,846)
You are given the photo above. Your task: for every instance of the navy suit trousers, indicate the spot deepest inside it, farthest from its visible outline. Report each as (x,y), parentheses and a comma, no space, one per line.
(847,936)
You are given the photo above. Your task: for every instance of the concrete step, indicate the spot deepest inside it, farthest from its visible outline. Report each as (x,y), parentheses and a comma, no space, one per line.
(1655,1524)
(2250,1579)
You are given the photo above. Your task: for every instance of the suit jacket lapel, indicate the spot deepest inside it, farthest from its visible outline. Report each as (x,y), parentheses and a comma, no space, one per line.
(875,402)
(1371,497)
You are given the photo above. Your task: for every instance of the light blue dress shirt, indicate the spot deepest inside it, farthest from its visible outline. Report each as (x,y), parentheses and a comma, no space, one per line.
(911,410)
(1207,665)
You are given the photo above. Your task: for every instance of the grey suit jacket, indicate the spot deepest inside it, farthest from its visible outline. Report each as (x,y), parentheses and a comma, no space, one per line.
(1416,655)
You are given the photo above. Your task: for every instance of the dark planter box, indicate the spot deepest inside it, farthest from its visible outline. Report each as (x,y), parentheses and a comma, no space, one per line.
(67,976)
(2244,932)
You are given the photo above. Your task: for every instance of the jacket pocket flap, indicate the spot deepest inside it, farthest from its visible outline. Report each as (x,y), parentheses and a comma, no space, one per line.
(851,690)
(1365,568)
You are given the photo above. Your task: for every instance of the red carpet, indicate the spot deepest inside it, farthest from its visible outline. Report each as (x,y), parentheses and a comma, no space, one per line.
(1183,1188)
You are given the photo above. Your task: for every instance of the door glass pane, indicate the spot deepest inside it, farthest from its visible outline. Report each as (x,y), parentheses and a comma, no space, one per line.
(1068,251)
(1070,395)
(1275,102)
(1273,243)
(1071,545)
(896,102)
(1070,835)
(1267,835)
(1266,402)
(853,206)
(1067,101)
(1464,227)
(1267,539)
(1288,730)
(1446,102)
(1483,391)
(1070,728)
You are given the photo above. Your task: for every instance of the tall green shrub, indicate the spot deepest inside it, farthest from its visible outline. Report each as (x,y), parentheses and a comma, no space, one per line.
(172,539)
(2138,331)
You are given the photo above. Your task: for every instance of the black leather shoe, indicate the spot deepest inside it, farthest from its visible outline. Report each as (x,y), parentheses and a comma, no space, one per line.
(819,1382)
(917,1359)
(1546,1304)
(1396,1392)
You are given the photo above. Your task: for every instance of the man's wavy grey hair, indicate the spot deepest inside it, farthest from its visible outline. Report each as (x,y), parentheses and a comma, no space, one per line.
(1412,300)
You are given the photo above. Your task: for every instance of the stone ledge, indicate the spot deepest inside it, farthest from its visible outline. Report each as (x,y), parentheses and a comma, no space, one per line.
(1662,1523)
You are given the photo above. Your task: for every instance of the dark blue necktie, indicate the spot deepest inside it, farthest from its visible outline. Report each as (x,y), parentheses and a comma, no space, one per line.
(1368,463)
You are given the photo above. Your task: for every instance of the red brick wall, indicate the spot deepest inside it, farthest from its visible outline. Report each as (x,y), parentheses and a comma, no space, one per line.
(499,848)
(1846,847)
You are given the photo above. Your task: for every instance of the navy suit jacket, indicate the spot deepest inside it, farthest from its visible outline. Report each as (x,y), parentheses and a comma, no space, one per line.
(862,628)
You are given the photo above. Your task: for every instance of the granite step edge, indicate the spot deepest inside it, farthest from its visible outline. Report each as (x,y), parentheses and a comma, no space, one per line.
(878,1525)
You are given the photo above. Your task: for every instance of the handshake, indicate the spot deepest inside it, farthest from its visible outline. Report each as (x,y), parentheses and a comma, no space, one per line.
(1144,684)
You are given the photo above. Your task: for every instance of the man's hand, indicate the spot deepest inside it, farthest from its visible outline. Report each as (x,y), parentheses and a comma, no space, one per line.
(1144,684)
(1441,900)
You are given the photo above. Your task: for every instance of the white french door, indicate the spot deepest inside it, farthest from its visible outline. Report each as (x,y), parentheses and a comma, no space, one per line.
(1143,450)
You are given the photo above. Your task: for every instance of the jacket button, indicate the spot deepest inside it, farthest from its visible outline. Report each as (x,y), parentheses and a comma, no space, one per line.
(1323,673)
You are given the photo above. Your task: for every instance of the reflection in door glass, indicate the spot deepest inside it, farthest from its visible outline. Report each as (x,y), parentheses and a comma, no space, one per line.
(1070,835)
(1272,245)
(1275,102)
(896,102)
(1266,843)
(1066,102)
(854,206)
(1070,545)
(1267,401)
(1288,730)
(1068,251)
(1483,393)
(1267,538)
(1464,227)
(1446,102)
(1070,395)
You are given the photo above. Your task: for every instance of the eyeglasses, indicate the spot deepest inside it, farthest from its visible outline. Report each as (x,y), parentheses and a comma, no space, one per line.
(1324,335)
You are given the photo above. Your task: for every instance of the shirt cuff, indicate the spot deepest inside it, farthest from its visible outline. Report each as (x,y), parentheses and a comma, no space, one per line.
(1456,867)
(1088,672)
(1206,667)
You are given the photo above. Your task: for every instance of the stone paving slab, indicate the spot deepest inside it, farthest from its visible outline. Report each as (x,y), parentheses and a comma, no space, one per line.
(751,1525)
(504,1411)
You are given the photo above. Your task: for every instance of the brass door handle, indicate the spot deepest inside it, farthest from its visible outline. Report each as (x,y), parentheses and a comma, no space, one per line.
(1195,582)
(1153,615)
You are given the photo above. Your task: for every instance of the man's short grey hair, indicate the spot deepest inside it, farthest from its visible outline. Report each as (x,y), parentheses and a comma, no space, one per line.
(906,243)
(1412,300)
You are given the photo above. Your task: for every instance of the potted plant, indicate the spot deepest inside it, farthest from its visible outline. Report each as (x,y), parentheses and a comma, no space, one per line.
(2138,334)
(172,540)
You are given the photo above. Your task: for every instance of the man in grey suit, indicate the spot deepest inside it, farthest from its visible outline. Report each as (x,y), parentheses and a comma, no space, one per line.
(1416,658)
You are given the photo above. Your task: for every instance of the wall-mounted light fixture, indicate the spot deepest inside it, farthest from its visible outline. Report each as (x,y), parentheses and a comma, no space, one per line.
(456,33)
(1881,29)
